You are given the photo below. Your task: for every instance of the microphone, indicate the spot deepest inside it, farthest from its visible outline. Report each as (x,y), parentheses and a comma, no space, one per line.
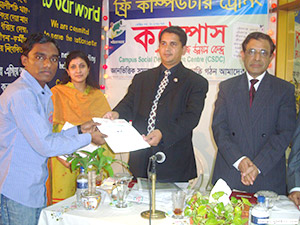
(159,157)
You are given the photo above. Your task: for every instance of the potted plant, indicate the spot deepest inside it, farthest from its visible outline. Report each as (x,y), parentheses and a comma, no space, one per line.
(94,163)
(201,211)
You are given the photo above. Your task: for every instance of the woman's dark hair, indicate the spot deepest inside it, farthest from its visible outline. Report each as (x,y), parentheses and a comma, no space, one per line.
(37,38)
(73,55)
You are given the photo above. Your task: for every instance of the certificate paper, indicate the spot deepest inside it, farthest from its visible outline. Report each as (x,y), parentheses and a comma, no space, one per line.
(121,136)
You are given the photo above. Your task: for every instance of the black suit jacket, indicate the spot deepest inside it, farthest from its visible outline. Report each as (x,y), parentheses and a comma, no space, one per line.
(293,172)
(178,113)
(262,132)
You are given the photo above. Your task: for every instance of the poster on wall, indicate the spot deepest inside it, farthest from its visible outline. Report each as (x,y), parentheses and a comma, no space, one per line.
(215,31)
(76,25)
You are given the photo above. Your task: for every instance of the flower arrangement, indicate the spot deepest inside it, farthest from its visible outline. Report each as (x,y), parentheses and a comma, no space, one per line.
(203,212)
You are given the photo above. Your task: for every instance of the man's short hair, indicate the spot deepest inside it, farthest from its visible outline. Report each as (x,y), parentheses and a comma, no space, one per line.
(257,36)
(37,38)
(175,30)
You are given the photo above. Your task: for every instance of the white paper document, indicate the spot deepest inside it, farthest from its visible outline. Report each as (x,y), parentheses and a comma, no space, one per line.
(121,136)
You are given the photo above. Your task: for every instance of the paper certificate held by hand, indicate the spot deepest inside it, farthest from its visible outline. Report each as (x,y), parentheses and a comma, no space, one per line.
(121,136)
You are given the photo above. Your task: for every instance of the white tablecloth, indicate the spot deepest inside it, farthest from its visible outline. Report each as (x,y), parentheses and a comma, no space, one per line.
(66,213)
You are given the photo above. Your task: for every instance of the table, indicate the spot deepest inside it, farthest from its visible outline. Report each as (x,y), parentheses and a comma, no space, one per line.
(66,213)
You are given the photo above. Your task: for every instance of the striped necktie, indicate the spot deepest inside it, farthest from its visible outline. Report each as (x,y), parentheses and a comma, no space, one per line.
(160,90)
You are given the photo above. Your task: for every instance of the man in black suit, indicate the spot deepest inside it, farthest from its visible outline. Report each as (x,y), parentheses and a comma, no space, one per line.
(293,171)
(252,134)
(178,111)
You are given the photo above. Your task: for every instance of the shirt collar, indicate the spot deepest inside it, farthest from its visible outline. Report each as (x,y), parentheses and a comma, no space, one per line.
(259,78)
(172,70)
(34,84)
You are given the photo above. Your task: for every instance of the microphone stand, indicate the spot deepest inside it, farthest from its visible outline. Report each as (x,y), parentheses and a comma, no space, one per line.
(153,214)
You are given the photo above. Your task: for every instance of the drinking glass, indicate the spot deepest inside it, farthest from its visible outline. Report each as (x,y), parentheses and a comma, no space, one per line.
(178,199)
(122,180)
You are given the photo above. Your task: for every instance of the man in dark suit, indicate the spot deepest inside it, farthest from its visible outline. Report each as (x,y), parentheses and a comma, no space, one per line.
(179,107)
(253,122)
(293,172)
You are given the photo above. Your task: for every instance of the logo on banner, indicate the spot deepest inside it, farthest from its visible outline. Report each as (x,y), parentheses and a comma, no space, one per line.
(117,35)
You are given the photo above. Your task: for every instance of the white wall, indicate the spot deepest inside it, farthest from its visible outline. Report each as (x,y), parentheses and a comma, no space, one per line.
(202,137)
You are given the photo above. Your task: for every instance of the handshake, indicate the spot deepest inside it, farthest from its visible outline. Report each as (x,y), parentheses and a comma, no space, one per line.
(91,127)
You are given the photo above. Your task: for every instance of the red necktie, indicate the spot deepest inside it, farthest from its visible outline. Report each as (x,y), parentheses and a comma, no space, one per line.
(252,90)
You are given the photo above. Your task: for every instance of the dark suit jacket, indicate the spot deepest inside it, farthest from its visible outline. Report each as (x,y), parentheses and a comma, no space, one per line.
(262,132)
(293,172)
(178,113)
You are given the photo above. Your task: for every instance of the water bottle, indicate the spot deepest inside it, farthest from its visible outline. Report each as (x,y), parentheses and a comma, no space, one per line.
(82,185)
(259,212)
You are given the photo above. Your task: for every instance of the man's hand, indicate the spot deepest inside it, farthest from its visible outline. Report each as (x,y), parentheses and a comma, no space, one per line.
(98,137)
(248,171)
(295,197)
(245,164)
(249,176)
(89,127)
(153,138)
(112,115)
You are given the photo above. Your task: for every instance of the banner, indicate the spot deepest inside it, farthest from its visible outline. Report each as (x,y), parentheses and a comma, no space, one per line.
(215,31)
(76,25)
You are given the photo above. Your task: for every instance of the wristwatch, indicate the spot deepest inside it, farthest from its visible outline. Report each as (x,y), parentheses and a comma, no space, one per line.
(79,129)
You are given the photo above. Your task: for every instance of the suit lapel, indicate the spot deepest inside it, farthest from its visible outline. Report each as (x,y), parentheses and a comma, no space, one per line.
(262,97)
(243,107)
(176,79)
(152,81)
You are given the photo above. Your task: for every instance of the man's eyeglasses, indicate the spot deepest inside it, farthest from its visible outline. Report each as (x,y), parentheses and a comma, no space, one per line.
(263,53)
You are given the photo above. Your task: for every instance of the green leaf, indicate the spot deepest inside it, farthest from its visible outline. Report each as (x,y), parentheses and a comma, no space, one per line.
(233,200)
(197,219)
(69,158)
(237,211)
(96,159)
(201,210)
(74,165)
(211,214)
(100,151)
(229,208)
(109,170)
(246,201)
(220,207)
(228,215)
(237,220)
(218,195)
(211,221)
(188,212)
